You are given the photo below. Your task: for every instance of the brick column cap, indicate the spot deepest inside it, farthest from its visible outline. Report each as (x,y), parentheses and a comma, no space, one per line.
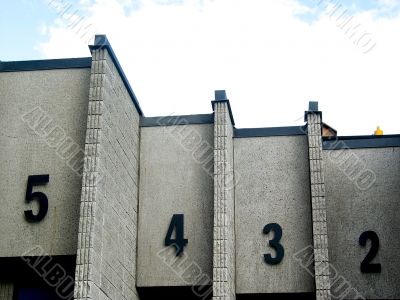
(100,42)
(220,97)
(312,109)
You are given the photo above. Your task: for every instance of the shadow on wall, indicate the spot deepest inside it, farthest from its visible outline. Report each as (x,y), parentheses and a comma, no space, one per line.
(171,293)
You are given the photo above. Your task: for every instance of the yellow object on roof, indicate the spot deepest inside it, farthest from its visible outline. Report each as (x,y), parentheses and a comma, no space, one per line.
(378,131)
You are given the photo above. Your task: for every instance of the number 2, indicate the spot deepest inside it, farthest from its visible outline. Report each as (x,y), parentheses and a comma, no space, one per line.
(274,243)
(366,266)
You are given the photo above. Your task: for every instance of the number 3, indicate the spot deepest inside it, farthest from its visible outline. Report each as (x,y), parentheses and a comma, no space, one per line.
(274,243)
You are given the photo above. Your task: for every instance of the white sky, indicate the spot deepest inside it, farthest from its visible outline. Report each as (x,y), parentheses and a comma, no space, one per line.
(271,57)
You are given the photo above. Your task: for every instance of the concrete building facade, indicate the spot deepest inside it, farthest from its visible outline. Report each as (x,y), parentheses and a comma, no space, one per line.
(101,202)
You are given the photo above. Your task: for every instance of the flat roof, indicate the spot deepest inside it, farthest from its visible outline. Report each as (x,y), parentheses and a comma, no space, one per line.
(177,120)
(269,131)
(361,141)
(46,64)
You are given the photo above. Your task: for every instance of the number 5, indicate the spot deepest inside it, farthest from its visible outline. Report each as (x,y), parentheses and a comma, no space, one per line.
(39,196)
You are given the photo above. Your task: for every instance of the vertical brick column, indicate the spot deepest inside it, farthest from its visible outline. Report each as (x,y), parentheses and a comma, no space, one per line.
(6,290)
(318,204)
(224,235)
(87,258)
(106,255)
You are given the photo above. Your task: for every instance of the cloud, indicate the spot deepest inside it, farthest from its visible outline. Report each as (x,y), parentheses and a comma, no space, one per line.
(269,59)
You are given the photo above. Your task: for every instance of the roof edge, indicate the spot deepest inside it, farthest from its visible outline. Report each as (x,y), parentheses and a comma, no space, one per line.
(270,131)
(45,64)
(361,141)
(177,120)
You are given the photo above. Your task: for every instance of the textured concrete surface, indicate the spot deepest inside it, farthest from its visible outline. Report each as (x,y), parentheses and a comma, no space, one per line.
(267,192)
(106,257)
(224,206)
(63,122)
(38,110)
(318,206)
(352,210)
(174,180)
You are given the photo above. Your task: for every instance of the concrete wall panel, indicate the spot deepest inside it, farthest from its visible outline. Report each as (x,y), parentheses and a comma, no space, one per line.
(273,187)
(357,204)
(175,179)
(42,124)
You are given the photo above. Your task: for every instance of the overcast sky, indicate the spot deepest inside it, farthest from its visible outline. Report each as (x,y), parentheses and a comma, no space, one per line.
(271,56)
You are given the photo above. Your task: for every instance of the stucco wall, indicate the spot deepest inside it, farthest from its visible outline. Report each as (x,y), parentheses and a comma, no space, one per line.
(354,207)
(176,177)
(42,125)
(273,187)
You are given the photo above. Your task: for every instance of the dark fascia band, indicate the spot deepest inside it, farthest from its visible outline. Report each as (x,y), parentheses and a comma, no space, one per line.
(270,131)
(176,120)
(359,142)
(47,64)
(101,41)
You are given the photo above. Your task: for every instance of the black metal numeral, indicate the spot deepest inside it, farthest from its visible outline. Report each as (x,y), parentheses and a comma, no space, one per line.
(366,265)
(179,242)
(39,196)
(274,243)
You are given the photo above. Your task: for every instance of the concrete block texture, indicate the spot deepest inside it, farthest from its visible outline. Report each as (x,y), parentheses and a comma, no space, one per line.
(6,290)
(267,192)
(353,209)
(42,131)
(224,206)
(176,177)
(106,256)
(319,214)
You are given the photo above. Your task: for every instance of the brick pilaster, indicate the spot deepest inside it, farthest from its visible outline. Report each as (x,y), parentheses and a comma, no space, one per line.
(224,236)
(85,253)
(106,254)
(6,290)
(318,204)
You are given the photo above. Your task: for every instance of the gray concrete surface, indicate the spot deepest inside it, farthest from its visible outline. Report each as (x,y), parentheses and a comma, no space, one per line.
(106,260)
(352,211)
(48,116)
(274,187)
(224,270)
(318,206)
(61,100)
(173,181)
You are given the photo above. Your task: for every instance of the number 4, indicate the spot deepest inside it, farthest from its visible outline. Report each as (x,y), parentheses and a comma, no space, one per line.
(179,242)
